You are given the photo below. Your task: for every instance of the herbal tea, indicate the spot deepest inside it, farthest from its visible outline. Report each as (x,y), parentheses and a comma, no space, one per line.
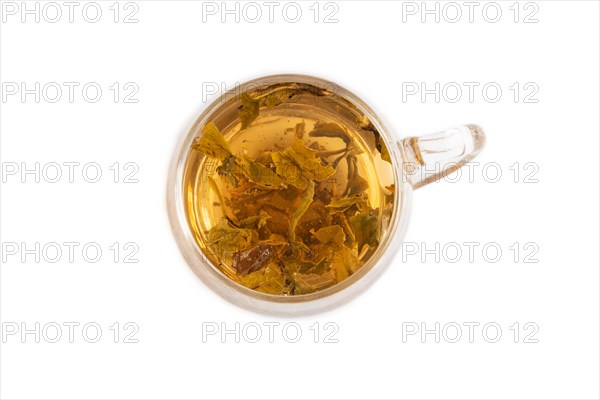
(289,189)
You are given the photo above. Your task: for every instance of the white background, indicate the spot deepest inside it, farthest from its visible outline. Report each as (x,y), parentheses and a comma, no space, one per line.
(169,54)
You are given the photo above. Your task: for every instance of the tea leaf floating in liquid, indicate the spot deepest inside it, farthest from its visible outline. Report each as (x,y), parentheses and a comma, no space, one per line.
(212,143)
(297,213)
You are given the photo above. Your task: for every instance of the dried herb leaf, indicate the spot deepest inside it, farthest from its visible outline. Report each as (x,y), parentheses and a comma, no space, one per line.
(269,279)
(333,234)
(212,143)
(383,150)
(356,183)
(255,221)
(230,169)
(299,164)
(289,171)
(224,239)
(302,207)
(275,240)
(331,130)
(259,173)
(341,204)
(226,211)
(299,130)
(301,248)
(364,123)
(365,227)
(350,239)
(252,259)
(344,264)
(249,110)
(308,283)
(274,99)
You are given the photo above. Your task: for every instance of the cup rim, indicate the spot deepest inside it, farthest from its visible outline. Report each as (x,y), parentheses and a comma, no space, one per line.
(278,304)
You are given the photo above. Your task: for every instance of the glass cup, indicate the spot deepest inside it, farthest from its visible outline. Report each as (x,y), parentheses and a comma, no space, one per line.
(416,161)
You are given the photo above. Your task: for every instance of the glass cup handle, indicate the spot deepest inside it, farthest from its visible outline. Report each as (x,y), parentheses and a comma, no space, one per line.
(431,157)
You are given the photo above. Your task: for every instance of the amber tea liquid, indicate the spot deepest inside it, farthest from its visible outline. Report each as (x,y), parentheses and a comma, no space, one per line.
(288,189)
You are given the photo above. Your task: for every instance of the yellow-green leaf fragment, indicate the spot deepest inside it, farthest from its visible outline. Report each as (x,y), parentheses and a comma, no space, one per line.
(255,221)
(341,204)
(333,234)
(364,123)
(269,279)
(259,173)
(308,283)
(230,169)
(383,150)
(356,183)
(224,239)
(274,99)
(252,259)
(345,263)
(212,143)
(249,110)
(331,130)
(288,170)
(298,164)
(366,228)
(275,240)
(226,211)
(299,130)
(302,207)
